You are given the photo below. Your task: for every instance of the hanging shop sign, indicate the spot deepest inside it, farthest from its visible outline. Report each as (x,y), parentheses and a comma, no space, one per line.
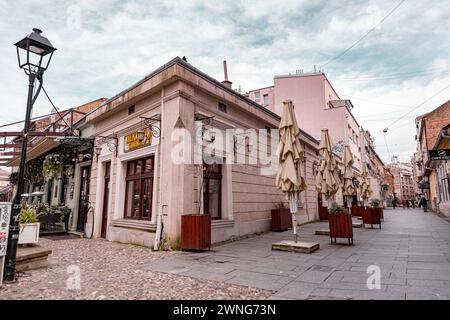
(440,154)
(138,139)
(5,215)
(5,212)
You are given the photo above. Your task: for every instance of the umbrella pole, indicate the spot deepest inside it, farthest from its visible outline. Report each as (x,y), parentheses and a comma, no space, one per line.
(293,209)
(349,204)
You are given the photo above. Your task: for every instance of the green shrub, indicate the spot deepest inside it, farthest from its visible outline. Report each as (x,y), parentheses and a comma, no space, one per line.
(335,208)
(28,214)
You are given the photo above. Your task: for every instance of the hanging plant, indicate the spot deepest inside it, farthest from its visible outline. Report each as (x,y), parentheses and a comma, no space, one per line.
(53,166)
(13,178)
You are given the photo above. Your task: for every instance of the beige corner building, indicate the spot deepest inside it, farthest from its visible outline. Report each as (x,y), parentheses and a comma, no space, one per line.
(134,177)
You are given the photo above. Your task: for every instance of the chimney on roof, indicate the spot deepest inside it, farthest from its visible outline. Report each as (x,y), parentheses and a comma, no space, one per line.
(225,73)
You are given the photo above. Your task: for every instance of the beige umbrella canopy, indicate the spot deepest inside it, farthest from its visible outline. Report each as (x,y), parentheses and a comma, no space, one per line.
(366,191)
(348,187)
(290,177)
(327,178)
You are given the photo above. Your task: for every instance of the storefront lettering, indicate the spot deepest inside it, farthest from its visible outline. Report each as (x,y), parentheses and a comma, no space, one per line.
(136,140)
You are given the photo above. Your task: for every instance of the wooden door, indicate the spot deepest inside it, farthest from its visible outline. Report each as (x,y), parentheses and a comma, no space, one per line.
(105,199)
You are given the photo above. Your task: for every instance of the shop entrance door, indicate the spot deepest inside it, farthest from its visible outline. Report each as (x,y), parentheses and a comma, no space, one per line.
(83,202)
(105,199)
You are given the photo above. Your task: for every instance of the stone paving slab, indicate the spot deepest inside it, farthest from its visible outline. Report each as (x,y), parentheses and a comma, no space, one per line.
(412,251)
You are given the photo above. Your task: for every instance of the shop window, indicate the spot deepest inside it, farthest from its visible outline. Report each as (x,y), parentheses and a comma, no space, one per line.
(139,189)
(212,190)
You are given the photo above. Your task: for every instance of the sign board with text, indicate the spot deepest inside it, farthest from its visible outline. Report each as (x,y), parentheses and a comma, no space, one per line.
(440,154)
(5,215)
(135,141)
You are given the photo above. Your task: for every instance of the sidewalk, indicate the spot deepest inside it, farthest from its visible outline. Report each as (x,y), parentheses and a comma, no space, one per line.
(412,250)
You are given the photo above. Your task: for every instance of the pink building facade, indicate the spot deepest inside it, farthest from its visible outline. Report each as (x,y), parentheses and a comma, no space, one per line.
(317,106)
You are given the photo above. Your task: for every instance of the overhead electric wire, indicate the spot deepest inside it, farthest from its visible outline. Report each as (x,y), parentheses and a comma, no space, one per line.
(364,36)
(377,102)
(399,76)
(20,121)
(54,107)
(418,106)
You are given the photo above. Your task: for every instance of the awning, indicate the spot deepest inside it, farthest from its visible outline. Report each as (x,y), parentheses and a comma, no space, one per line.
(43,146)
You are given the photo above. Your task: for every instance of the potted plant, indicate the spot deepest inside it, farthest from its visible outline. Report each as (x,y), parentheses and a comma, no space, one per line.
(29,225)
(53,215)
(281,217)
(373,214)
(340,222)
(196,228)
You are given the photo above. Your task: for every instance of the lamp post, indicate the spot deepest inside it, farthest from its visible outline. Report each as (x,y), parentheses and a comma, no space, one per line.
(34,53)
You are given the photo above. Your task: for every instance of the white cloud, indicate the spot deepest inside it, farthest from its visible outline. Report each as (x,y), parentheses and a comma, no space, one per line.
(121,41)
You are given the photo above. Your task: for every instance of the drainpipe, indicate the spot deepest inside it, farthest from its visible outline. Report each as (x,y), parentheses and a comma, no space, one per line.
(306,191)
(159,218)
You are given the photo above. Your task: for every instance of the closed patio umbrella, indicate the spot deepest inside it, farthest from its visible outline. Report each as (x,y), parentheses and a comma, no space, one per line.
(290,178)
(348,187)
(366,191)
(327,178)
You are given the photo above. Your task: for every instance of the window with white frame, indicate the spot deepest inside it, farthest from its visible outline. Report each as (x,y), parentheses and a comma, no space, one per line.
(257,96)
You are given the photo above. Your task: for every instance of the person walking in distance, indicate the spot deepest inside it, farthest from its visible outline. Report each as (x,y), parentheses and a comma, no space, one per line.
(424,203)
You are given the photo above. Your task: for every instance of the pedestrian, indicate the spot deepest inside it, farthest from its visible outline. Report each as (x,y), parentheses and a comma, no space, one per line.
(404,204)
(424,203)
(407,203)
(394,203)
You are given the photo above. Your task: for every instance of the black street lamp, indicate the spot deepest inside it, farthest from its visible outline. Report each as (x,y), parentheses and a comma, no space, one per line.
(34,53)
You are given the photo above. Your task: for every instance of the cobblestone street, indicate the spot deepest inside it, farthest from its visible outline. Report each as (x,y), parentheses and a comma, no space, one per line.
(115,271)
(412,250)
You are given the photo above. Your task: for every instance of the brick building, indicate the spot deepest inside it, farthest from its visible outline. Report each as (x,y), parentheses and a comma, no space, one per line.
(428,128)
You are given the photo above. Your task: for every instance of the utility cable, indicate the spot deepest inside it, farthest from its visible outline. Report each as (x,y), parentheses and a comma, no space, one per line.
(365,35)
(56,109)
(418,106)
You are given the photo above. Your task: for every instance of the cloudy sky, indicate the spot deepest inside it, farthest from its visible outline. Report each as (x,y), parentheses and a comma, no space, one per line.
(105,46)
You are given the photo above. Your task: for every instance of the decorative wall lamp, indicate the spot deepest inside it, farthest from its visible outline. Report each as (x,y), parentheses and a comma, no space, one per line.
(98,151)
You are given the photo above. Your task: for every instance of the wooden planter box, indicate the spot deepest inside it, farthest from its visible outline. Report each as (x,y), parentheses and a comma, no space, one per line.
(357,211)
(281,219)
(372,216)
(323,213)
(340,226)
(196,232)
